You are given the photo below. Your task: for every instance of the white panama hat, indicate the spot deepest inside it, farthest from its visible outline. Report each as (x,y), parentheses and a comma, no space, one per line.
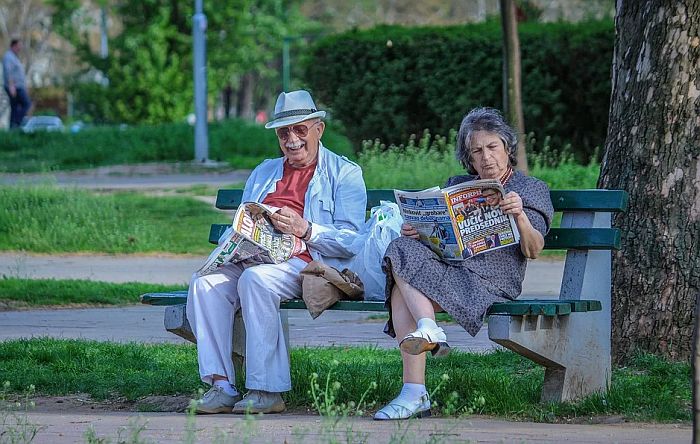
(294,107)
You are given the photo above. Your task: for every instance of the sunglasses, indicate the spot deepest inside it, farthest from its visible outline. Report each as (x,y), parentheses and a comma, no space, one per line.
(300,130)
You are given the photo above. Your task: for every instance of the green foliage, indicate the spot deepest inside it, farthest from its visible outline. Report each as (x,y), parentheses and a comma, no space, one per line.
(16,292)
(429,161)
(499,383)
(390,82)
(48,219)
(148,72)
(242,144)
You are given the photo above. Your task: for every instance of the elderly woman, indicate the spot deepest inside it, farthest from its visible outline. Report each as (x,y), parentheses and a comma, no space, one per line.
(419,283)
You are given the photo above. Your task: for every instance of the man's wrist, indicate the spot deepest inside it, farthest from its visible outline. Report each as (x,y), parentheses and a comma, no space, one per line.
(307,234)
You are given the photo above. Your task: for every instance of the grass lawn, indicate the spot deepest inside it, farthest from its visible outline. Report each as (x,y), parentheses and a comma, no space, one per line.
(46,219)
(18,293)
(499,383)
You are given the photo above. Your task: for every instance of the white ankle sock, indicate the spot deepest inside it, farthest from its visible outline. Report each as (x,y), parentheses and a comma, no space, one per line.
(426,323)
(412,391)
(227,388)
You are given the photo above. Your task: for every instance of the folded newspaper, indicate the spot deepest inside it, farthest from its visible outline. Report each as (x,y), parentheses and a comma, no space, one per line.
(252,237)
(460,221)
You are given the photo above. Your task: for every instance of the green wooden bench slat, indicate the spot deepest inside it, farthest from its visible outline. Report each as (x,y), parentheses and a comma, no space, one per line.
(556,239)
(519,308)
(228,199)
(595,306)
(583,239)
(563,200)
(171,298)
(341,305)
(547,307)
(589,200)
(375,196)
(216,231)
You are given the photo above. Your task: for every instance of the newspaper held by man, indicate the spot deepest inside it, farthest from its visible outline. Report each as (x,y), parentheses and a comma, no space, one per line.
(460,221)
(253,238)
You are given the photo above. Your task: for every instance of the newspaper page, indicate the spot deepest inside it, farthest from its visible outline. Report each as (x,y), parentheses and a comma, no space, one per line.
(479,222)
(459,222)
(252,237)
(428,213)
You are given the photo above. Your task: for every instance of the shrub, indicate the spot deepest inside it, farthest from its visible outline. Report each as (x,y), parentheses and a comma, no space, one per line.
(238,142)
(389,82)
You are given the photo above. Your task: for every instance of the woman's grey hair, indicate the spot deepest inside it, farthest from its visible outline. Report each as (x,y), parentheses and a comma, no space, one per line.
(484,119)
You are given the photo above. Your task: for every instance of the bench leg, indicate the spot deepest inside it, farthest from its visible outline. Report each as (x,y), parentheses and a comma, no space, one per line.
(575,356)
(176,322)
(575,348)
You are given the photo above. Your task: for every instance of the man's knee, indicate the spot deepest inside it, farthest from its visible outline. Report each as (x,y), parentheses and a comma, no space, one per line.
(253,283)
(251,278)
(200,286)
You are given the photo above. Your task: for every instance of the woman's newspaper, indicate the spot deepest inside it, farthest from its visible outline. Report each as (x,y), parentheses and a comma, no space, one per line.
(459,222)
(252,238)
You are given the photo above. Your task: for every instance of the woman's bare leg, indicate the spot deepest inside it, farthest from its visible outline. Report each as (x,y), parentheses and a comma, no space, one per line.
(417,303)
(405,323)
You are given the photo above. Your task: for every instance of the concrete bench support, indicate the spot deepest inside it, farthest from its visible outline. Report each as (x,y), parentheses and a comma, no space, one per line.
(574,349)
(176,322)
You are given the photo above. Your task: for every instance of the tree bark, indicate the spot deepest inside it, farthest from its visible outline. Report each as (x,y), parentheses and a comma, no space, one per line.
(512,91)
(245,96)
(696,376)
(653,152)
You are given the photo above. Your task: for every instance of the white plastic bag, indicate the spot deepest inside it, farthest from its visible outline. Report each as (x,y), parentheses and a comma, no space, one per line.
(369,245)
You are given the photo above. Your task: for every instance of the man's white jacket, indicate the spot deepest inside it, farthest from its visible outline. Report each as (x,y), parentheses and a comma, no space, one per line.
(335,200)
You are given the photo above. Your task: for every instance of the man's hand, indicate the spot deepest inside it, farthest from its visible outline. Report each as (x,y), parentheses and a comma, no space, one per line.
(289,222)
(13,90)
(409,231)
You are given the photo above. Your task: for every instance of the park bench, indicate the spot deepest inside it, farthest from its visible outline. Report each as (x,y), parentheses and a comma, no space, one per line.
(569,336)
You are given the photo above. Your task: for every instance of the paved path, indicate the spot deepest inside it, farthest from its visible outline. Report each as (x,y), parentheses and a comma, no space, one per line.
(140,176)
(543,275)
(145,323)
(293,428)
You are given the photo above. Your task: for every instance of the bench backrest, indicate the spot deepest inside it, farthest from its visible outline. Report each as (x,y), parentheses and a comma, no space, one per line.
(563,238)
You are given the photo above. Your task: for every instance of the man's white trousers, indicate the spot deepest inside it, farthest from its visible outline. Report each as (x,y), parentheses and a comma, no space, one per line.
(258,290)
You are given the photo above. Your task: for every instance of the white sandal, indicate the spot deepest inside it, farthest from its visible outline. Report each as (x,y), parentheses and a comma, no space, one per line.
(423,340)
(403,409)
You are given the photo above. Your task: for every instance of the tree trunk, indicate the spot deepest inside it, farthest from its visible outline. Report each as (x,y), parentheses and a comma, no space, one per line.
(245,96)
(512,91)
(653,152)
(696,376)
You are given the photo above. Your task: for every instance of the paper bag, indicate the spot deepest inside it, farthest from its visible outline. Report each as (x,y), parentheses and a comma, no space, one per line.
(323,286)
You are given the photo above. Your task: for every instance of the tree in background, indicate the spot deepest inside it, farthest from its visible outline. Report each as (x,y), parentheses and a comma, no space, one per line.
(653,152)
(512,90)
(147,76)
(245,48)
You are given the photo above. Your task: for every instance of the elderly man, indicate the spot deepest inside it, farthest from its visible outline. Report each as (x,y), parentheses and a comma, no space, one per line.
(319,193)
(15,84)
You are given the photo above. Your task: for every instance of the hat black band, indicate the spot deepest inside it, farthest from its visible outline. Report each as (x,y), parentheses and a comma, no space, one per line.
(294,112)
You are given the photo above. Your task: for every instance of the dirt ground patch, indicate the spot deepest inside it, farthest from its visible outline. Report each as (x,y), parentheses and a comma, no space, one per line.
(83,403)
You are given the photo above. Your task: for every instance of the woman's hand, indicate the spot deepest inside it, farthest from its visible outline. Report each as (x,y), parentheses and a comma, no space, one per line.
(289,222)
(409,231)
(512,203)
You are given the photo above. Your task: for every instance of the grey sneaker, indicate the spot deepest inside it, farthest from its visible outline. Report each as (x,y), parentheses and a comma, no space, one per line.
(216,401)
(258,401)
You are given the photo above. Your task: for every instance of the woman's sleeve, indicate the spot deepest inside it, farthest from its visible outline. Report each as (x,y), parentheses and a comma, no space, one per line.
(537,204)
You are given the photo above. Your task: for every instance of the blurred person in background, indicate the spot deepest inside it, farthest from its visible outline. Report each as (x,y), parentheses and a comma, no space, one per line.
(15,84)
